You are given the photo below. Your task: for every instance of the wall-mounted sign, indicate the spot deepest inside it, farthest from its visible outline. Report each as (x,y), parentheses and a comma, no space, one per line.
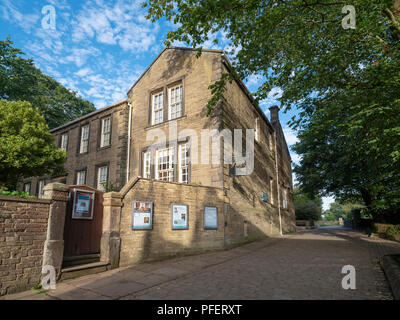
(83,204)
(264,197)
(180,216)
(142,215)
(210,218)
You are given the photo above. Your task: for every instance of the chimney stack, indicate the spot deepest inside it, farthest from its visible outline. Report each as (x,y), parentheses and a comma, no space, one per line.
(274,114)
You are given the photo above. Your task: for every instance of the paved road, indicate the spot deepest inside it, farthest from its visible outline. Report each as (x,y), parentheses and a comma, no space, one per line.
(306,265)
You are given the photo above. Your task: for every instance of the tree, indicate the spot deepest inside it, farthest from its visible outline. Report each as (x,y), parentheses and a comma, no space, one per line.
(27,148)
(345,82)
(306,207)
(341,210)
(21,80)
(341,159)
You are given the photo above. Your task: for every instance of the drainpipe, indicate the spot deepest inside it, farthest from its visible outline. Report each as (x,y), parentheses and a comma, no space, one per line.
(277,184)
(128,157)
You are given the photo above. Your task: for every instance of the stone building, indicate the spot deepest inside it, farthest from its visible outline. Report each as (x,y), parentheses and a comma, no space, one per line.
(116,144)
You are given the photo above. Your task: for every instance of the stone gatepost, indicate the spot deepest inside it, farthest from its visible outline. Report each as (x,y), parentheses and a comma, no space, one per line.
(54,245)
(110,239)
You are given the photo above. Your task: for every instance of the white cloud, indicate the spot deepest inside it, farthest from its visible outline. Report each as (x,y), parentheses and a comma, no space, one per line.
(79,56)
(123,23)
(290,136)
(83,72)
(254,81)
(295,157)
(291,139)
(26,21)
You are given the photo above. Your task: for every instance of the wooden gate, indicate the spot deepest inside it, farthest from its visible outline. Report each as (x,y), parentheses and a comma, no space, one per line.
(83,236)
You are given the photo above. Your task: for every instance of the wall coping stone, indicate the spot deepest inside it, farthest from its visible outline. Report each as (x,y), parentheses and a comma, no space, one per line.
(55,187)
(112,195)
(133,181)
(20,199)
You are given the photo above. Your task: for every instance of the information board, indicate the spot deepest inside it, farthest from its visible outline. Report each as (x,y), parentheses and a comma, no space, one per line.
(142,215)
(180,216)
(210,218)
(83,204)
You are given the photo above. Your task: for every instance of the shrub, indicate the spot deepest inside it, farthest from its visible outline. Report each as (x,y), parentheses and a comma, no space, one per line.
(393,231)
(6,192)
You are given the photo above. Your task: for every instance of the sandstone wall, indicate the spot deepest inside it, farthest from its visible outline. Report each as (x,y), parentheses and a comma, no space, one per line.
(162,241)
(23,226)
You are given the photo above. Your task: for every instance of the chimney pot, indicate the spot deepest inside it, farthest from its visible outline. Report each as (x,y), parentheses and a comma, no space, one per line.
(274,113)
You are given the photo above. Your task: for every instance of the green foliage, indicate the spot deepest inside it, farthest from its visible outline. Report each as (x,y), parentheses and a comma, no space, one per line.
(26,145)
(346,83)
(393,230)
(21,80)
(37,287)
(306,207)
(109,187)
(341,210)
(5,192)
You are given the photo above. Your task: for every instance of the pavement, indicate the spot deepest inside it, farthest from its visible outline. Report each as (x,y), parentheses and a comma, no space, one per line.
(304,265)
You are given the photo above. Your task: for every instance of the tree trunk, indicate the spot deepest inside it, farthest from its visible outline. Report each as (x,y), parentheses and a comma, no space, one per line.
(367,198)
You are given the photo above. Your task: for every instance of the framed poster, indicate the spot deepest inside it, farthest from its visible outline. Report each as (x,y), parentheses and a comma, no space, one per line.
(83,204)
(210,217)
(142,215)
(180,216)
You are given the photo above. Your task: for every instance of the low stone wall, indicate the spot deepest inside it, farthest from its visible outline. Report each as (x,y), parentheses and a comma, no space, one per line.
(305,223)
(161,242)
(23,225)
(391,267)
(384,231)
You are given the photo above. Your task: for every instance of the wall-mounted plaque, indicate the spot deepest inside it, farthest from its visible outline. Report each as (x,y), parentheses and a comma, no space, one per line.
(142,215)
(210,218)
(180,216)
(264,197)
(83,204)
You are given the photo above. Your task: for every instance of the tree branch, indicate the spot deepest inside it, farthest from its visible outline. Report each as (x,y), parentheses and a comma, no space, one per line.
(395,23)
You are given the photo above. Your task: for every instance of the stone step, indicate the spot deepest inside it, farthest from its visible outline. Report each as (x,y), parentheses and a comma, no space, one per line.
(81,259)
(73,272)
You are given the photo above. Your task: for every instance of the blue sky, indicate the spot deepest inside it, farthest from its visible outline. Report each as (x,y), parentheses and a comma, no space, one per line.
(99,48)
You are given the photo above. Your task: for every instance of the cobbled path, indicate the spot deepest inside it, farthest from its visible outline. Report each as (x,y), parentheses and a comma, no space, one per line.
(305,265)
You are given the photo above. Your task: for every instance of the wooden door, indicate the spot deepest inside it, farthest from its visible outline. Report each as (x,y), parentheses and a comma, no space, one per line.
(82,237)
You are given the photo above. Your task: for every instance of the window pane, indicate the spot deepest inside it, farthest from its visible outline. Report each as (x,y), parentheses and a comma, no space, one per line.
(85,139)
(64,142)
(41,188)
(27,187)
(105,139)
(102,178)
(165,166)
(284,198)
(146,165)
(81,178)
(184,162)
(158,108)
(175,102)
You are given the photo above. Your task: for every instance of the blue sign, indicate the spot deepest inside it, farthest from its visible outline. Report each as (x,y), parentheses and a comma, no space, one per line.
(264,197)
(210,218)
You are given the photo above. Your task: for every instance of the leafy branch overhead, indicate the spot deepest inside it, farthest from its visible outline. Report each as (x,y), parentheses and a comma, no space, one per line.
(344,82)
